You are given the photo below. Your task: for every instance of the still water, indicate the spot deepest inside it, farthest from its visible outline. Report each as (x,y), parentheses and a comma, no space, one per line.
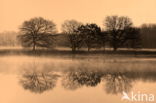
(27,79)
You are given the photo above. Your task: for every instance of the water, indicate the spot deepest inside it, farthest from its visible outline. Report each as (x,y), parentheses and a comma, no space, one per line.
(28,79)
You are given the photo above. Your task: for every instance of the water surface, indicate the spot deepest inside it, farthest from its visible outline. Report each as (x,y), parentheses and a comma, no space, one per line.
(28,79)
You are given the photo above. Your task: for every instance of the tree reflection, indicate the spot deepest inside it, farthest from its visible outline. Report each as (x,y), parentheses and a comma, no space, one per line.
(39,78)
(38,81)
(76,78)
(117,83)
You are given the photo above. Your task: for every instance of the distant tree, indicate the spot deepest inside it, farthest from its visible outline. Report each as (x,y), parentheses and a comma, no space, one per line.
(148,35)
(70,27)
(103,39)
(120,30)
(37,32)
(133,38)
(91,34)
(8,38)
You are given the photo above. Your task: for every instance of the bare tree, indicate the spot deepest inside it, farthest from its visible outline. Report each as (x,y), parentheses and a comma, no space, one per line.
(8,38)
(91,34)
(148,36)
(120,30)
(103,39)
(37,32)
(132,38)
(70,27)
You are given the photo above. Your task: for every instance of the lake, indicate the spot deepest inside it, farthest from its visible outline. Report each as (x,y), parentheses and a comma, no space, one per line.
(77,79)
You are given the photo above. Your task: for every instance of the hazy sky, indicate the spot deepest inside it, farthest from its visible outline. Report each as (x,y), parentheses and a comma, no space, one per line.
(14,12)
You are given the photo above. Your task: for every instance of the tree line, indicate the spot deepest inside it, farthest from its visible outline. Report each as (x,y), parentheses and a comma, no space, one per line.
(8,38)
(119,32)
(148,35)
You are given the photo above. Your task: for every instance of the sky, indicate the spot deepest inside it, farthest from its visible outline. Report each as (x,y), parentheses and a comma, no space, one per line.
(14,12)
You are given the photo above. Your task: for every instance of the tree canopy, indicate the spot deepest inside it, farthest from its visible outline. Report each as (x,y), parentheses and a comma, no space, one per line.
(91,34)
(37,32)
(70,27)
(120,30)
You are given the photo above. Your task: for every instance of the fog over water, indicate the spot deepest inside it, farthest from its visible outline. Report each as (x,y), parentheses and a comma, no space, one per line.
(46,79)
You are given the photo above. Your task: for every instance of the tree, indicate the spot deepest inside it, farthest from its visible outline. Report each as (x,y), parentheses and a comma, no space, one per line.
(103,39)
(91,34)
(132,38)
(8,38)
(148,36)
(37,32)
(120,30)
(70,27)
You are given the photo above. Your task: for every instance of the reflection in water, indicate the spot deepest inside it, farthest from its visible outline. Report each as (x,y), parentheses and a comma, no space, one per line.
(38,81)
(117,83)
(74,79)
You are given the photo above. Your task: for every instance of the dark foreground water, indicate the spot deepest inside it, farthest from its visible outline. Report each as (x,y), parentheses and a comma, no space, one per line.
(77,80)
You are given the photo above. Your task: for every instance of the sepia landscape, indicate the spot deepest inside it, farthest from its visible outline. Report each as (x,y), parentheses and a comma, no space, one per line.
(97,51)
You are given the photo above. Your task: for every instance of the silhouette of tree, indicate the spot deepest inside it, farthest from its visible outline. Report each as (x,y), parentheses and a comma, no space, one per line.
(81,77)
(117,83)
(91,34)
(8,38)
(38,81)
(148,36)
(37,32)
(132,38)
(120,30)
(70,27)
(103,39)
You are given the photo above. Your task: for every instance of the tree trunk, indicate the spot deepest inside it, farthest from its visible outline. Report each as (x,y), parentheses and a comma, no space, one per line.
(34,43)
(104,47)
(73,49)
(88,49)
(114,48)
(34,47)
